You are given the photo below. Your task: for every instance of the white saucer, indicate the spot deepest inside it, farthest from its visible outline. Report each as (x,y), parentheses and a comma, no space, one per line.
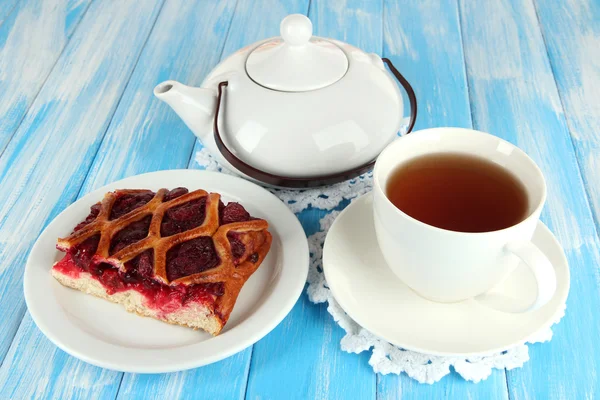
(104,334)
(375,298)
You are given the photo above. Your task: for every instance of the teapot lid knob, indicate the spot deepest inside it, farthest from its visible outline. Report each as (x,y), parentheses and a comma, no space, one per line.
(297,61)
(296,29)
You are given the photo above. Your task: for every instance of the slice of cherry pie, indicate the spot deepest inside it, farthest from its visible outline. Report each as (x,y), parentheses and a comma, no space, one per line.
(177,256)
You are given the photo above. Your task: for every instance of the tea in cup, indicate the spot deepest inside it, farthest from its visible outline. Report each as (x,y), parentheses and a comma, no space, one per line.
(454,212)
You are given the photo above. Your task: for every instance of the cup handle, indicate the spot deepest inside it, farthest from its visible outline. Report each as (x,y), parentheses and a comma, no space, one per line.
(544,274)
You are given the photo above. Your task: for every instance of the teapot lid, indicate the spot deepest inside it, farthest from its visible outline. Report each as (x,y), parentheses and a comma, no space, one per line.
(296,62)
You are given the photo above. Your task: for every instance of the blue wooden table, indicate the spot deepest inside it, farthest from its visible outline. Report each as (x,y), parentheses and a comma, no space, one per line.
(77,112)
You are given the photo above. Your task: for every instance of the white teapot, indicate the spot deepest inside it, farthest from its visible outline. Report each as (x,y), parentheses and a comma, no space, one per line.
(296,111)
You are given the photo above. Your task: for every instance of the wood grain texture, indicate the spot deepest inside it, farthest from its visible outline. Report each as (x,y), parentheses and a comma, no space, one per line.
(45,163)
(252,23)
(209,382)
(179,48)
(7,7)
(222,380)
(31,38)
(78,112)
(145,135)
(301,358)
(35,368)
(513,95)
(423,39)
(572,35)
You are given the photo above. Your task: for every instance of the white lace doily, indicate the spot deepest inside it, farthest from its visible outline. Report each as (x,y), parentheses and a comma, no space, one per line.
(385,357)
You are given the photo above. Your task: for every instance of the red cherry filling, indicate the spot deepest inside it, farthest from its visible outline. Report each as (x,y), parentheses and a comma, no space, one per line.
(165,298)
(112,281)
(187,258)
(221,207)
(238,248)
(84,251)
(129,202)
(184,217)
(197,293)
(175,193)
(191,257)
(143,264)
(94,211)
(132,233)
(233,212)
(97,269)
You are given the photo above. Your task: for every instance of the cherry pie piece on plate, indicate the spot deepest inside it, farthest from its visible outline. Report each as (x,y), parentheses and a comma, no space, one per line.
(177,256)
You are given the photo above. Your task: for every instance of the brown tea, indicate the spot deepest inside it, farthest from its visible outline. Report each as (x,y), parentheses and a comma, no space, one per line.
(458,192)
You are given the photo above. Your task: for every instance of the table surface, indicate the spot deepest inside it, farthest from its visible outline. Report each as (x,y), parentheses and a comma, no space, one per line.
(77,112)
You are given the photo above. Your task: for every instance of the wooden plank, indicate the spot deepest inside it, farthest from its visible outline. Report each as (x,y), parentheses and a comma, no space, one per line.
(302,358)
(145,134)
(571,30)
(250,23)
(7,7)
(513,95)
(185,44)
(44,165)
(223,380)
(198,31)
(450,387)
(31,39)
(257,20)
(423,39)
(49,372)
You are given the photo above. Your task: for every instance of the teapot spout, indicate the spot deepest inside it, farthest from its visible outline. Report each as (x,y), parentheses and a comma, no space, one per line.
(195,106)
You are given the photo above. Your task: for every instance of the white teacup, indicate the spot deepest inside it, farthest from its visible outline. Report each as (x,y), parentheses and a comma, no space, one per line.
(448,266)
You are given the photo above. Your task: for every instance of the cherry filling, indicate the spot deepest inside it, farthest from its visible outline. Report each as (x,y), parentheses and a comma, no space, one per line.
(141,267)
(233,212)
(165,298)
(175,193)
(187,258)
(129,202)
(82,253)
(132,233)
(191,257)
(184,217)
(238,248)
(94,211)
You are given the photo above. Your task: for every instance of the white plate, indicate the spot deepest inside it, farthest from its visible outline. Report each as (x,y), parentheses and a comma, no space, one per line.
(375,298)
(104,334)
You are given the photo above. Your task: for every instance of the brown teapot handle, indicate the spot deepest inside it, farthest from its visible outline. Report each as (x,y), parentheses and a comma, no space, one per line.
(305,182)
(412,98)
